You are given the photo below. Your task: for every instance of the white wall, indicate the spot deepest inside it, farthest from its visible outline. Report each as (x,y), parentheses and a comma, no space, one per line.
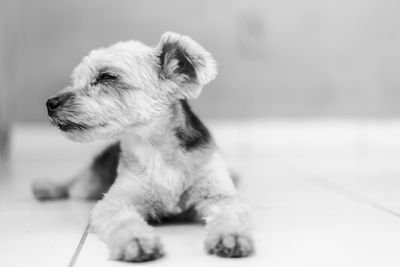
(276,58)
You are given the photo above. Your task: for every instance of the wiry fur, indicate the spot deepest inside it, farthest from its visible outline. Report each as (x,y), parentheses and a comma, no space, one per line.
(165,162)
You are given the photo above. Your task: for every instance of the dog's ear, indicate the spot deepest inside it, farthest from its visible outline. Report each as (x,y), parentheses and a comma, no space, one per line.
(185,66)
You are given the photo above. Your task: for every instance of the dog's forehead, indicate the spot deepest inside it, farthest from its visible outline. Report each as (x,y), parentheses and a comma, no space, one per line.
(122,52)
(128,57)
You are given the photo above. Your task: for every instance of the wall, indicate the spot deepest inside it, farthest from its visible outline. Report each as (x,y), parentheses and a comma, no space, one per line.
(276,58)
(4,86)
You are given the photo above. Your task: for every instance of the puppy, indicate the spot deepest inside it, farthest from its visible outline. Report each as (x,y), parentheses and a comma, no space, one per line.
(164,163)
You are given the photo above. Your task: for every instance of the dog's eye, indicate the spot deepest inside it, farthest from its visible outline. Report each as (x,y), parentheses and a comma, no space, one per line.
(105,76)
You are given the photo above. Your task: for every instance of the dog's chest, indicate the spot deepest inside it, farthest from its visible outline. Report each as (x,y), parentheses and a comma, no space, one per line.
(164,188)
(160,181)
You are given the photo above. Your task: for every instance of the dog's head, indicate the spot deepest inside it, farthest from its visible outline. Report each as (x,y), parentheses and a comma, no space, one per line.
(130,85)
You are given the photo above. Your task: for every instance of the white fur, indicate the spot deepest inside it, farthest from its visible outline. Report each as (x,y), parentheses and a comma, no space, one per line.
(156,176)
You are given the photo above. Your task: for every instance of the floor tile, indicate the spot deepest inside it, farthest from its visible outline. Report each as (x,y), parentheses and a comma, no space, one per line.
(311,186)
(373,178)
(34,233)
(296,223)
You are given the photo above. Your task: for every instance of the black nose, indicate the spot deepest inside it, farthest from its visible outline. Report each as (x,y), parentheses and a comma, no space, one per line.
(53,103)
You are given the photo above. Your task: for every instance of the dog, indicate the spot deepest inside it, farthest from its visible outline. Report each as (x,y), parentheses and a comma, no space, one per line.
(164,162)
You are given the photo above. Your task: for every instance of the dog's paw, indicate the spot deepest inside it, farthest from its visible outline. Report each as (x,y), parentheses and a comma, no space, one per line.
(47,189)
(230,245)
(137,249)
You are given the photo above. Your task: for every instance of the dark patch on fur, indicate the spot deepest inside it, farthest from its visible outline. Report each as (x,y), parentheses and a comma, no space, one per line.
(193,134)
(105,166)
(172,50)
(187,216)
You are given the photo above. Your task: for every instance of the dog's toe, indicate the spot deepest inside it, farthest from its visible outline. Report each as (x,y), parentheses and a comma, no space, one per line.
(46,189)
(139,250)
(230,246)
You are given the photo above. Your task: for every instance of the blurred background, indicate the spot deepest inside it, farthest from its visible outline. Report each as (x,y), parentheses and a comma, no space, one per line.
(276,58)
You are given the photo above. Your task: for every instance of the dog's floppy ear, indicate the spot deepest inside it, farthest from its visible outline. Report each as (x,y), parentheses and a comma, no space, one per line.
(184,65)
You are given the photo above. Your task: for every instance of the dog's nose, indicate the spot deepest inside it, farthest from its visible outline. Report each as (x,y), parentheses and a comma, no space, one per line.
(53,103)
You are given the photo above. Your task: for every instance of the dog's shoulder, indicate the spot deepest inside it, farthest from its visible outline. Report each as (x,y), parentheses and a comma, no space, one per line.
(192,133)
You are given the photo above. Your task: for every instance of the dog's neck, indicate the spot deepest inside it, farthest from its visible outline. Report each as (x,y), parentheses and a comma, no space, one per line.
(167,137)
(154,140)
(144,147)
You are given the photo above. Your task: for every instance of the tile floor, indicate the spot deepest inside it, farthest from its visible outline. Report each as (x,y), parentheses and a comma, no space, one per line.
(323,193)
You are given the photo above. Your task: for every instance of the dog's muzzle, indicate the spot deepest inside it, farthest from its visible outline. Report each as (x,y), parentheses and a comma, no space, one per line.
(55,103)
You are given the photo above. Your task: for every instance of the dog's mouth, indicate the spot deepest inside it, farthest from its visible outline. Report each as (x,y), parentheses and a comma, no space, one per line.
(71,126)
(68,126)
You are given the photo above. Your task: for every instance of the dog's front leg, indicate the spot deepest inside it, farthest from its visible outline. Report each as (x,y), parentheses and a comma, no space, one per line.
(227,227)
(117,221)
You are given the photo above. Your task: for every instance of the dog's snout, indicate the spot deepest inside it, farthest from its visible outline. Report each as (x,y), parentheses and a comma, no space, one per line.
(53,103)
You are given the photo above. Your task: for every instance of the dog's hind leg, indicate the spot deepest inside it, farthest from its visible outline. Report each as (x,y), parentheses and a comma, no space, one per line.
(90,183)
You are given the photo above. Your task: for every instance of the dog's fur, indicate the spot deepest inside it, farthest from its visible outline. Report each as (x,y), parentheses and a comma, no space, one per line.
(164,162)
